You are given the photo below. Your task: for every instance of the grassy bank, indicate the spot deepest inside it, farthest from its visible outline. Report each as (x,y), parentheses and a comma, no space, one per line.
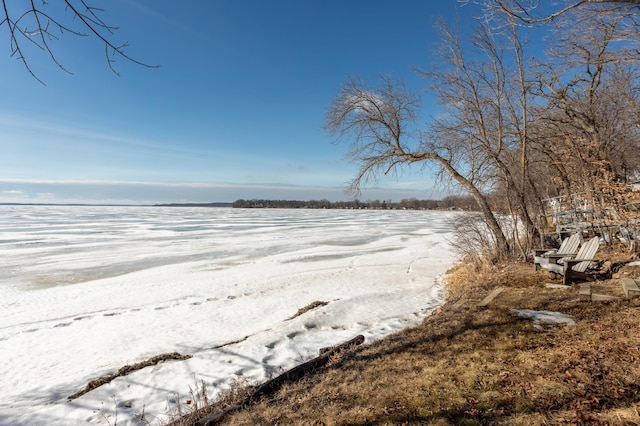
(480,365)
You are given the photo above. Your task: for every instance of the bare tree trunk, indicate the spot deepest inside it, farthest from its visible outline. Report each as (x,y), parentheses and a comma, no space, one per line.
(502,244)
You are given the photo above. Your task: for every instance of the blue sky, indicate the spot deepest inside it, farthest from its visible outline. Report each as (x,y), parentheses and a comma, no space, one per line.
(235,110)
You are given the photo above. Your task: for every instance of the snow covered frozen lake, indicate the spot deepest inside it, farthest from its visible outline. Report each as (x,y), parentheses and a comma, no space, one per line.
(87,290)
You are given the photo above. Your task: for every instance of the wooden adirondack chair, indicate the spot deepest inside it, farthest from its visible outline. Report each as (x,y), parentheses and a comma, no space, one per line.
(569,247)
(574,267)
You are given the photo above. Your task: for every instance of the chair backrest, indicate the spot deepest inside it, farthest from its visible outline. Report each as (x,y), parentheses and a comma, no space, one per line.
(563,245)
(570,245)
(587,251)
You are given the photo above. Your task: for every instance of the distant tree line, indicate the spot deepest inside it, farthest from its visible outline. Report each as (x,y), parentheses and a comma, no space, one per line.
(452,202)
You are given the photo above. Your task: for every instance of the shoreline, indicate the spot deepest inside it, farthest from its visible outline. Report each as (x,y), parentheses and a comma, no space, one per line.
(477,365)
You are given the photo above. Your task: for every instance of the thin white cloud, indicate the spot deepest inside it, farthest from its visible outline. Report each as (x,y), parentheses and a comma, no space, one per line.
(140,192)
(14,192)
(212,185)
(71,135)
(68,130)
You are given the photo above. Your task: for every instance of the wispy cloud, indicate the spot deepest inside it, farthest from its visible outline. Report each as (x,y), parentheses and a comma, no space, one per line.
(74,131)
(140,192)
(109,149)
(14,192)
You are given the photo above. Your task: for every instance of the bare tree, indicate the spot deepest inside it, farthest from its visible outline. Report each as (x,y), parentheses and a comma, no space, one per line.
(479,140)
(588,126)
(38,23)
(484,87)
(380,124)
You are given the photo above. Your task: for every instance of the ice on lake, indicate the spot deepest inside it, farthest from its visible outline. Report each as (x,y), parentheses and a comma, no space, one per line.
(87,290)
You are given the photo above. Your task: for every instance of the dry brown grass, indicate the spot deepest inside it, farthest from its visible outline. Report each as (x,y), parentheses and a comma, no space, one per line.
(474,366)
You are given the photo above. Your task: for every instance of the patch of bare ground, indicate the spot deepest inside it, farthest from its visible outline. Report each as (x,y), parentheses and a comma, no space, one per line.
(310,306)
(476,365)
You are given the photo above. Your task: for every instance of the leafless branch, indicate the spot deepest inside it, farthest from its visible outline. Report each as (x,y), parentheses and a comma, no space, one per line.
(531,12)
(37,25)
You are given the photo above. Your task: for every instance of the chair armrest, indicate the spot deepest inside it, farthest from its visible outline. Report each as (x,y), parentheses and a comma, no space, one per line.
(581,260)
(557,256)
(542,252)
(554,257)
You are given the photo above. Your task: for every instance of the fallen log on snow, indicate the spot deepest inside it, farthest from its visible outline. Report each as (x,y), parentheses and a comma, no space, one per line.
(274,384)
(123,371)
